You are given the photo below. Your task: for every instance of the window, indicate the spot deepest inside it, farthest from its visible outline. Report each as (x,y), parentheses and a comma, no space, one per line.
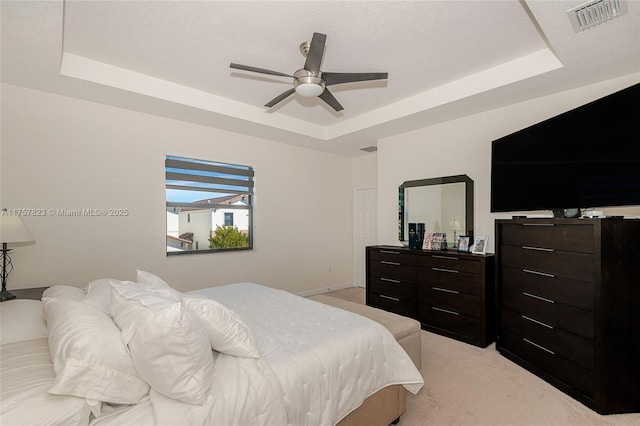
(209,206)
(228,219)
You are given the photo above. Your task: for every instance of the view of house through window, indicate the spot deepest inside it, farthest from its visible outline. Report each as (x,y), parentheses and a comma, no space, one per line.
(209,205)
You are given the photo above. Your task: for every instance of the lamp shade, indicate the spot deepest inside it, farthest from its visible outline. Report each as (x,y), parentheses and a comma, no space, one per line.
(12,230)
(455,225)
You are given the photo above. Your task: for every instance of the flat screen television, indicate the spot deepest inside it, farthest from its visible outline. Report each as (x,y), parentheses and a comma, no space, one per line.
(584,158)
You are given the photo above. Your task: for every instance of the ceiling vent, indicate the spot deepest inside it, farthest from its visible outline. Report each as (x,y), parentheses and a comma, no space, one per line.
(593,13)
(369,149)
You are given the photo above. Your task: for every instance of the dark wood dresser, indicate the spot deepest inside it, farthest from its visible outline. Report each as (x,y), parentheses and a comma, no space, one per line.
(449,292)
(568,293)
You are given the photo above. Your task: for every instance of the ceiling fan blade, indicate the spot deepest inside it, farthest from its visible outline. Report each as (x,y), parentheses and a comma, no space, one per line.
(329,99)
(258,70)
(349,77)
(316,50)
(280,97)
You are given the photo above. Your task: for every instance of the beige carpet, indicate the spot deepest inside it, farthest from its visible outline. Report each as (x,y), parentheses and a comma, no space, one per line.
(467,385)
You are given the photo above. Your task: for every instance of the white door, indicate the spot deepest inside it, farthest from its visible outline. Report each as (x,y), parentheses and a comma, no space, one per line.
(365,229)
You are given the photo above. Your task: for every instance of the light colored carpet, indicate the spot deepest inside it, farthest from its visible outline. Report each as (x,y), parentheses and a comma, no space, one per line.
(467,385)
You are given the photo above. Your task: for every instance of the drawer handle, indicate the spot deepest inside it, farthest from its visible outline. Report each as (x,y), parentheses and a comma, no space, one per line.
(453,271)
(435,256)
(538,346)
(389,252)
(395,299)
(537,248)
(544,299)
(537,322)
(444,310)
(544,274)
(390,280)
(386,262)
(538,224)
(445,290)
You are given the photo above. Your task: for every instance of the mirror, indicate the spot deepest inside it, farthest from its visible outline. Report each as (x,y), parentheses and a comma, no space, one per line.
(443,204)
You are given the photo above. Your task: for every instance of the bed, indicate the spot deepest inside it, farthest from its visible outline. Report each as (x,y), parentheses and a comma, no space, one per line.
(143,353)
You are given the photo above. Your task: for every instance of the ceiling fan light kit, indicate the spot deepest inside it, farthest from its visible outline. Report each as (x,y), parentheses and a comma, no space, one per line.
(307,85)
(309,81)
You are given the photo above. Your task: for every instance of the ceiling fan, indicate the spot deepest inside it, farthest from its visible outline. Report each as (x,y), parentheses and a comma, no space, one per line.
(310,81)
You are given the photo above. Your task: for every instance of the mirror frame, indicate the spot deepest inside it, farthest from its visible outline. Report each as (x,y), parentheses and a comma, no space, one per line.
(468,202)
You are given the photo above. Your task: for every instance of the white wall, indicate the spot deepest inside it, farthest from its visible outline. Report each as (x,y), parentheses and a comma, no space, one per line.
(65,153)
(463,146)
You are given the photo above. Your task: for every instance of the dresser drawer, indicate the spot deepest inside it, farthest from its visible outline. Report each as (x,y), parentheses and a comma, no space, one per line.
(578,238)
(577,266)
(572,374)
(550,312)
(449,262)
(568,345)
(392,304)
(392,256)
(398,289)
(392,271)
(432,316)
(460,282)
(570,292)
(432,296)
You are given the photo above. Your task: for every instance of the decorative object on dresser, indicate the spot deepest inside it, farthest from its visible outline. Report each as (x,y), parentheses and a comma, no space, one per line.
(480,245)
(416,235)
(463,243)
(12,230)
(568,298)
(449,292)
(434,241)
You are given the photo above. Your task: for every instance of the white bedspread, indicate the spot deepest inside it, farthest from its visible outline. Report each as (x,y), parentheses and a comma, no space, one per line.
(326,360)
(27,374)
(318,364)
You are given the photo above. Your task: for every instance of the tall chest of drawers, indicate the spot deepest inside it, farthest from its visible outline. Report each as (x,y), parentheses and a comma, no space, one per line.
(568,293)
(450,293)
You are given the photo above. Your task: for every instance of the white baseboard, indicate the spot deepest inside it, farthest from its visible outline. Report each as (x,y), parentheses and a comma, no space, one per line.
(325,289)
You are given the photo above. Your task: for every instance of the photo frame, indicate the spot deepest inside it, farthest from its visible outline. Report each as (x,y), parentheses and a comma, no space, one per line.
(435,241)
(463,243)
(480,245)
(427,242)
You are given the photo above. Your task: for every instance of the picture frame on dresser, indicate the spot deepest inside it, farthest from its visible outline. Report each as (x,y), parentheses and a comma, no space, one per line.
(435,241)
(463,243)
(480,245)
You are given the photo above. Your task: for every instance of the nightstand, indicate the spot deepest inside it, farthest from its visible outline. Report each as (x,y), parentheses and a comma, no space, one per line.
(29,293)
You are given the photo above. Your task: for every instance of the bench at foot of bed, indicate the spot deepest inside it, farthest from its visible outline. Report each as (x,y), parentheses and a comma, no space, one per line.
(405,330)
(387,405)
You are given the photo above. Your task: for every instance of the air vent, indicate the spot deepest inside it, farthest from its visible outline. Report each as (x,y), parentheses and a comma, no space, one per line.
(593,13)
(369,149)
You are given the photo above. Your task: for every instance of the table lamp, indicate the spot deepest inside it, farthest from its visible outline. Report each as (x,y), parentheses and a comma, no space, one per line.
(12,230)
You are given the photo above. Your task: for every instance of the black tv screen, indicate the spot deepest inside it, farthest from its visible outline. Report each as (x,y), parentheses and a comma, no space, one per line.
(587,157)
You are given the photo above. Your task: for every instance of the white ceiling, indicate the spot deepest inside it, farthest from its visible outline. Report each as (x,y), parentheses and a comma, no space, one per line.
(445,59)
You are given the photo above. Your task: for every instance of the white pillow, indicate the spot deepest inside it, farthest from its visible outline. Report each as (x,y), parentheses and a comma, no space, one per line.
(99,293)
(21,319)
(89,357)
(170,350)
(64,292)
(227,332)
(157,285)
